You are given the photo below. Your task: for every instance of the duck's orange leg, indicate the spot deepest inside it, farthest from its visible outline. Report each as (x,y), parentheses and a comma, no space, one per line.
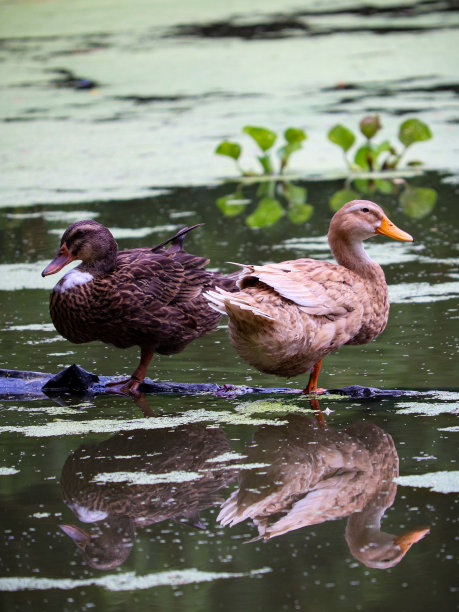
(313,378)
(131,385)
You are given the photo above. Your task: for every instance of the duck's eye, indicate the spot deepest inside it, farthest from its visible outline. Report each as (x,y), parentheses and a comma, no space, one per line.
(365,210)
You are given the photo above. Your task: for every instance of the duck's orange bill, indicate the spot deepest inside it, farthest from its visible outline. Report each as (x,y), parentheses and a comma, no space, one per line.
(406,540)
(387,228)
(63,257)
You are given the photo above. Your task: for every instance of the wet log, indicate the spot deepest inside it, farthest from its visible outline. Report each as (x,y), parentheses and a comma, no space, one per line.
(74,380)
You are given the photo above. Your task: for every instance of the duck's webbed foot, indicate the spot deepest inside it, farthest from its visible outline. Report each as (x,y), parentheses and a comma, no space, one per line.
(311,387)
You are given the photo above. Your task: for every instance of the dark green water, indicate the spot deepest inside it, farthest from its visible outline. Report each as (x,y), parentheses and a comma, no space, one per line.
(160,562)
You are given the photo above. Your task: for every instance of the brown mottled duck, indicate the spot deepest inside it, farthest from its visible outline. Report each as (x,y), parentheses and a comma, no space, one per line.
(288,316)
(148,297)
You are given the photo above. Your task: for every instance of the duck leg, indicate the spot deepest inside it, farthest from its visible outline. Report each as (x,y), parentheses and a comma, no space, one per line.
(313,378)
(131,385)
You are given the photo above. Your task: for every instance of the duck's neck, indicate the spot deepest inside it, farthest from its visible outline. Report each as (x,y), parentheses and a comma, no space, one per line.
(102,264)
(352,255)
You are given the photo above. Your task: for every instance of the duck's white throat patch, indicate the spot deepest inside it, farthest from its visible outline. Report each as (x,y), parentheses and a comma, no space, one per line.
(72,279)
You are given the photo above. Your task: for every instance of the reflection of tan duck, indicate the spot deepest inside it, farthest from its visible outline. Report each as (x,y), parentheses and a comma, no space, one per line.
(151,298)
(288,316)
(99,485)
(317,474)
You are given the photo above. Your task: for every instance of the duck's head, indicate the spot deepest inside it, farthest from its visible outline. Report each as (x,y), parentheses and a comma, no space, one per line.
(361,219)
(89,241)
(384,550)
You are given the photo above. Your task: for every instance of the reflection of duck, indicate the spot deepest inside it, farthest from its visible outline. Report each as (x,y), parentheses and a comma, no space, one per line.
(178,474)
(151,298)
(288,316)
(317,474)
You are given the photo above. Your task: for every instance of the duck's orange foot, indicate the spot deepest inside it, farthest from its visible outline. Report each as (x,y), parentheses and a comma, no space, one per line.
(317,391)
(127,386)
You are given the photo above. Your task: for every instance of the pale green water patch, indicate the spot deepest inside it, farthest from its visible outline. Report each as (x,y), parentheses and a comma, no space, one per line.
(128,581)
(439,482)
(139,478)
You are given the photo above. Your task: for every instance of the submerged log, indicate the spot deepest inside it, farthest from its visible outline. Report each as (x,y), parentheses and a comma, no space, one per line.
(74,380)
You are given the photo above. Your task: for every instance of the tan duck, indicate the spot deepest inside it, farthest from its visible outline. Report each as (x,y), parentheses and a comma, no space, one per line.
(149,297)
(311,474)
(288,316)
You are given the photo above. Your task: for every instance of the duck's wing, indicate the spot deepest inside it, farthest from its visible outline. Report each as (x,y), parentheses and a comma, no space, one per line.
(161,277)
(317,287)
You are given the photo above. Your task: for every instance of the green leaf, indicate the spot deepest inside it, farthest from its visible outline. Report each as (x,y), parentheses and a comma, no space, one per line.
(342,136)
(232,205)
(263,137)
(295,194)
(364,158)
(294,135)
(413,130)
(230,149)
(342,196)
(266,163)
(300,213)
(418,202)
(384,146)
(268,211)
(384,186)
(365,186)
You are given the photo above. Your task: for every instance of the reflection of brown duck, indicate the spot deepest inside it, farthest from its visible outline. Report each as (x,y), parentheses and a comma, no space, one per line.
(178,474)
(151,298)
(317,474)
(288,316)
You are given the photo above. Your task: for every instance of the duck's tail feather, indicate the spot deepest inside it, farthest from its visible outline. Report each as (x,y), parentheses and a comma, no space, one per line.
(176,241)
(221,301)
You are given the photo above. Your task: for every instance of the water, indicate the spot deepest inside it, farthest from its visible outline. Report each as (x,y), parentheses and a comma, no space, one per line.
(149,489)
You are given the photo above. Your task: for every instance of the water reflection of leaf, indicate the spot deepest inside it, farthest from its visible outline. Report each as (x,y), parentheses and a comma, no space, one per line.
(232,205)
(340,198)
(300,213)
(418,202)
(268,211)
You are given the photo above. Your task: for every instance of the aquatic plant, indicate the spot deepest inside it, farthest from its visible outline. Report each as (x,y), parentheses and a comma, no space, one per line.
(265,139)
(415,202)
(273,200)
(371,156)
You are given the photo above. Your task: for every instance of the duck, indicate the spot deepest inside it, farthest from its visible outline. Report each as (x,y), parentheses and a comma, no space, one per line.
(146,297)
(287,317)
(136,479)
(312,473)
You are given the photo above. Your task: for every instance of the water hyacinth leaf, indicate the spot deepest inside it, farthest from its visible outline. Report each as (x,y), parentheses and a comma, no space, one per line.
(384,146)
(232,205)
(370,125)
(384,186)
(300,213)
(268,212)
(365,158)
(295,194)
(365,186)
(263,137)
(288,149)
(230,149)
(340,198)
(266,164)
(413,130)
(342,136)
(418,202)
(294,135)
